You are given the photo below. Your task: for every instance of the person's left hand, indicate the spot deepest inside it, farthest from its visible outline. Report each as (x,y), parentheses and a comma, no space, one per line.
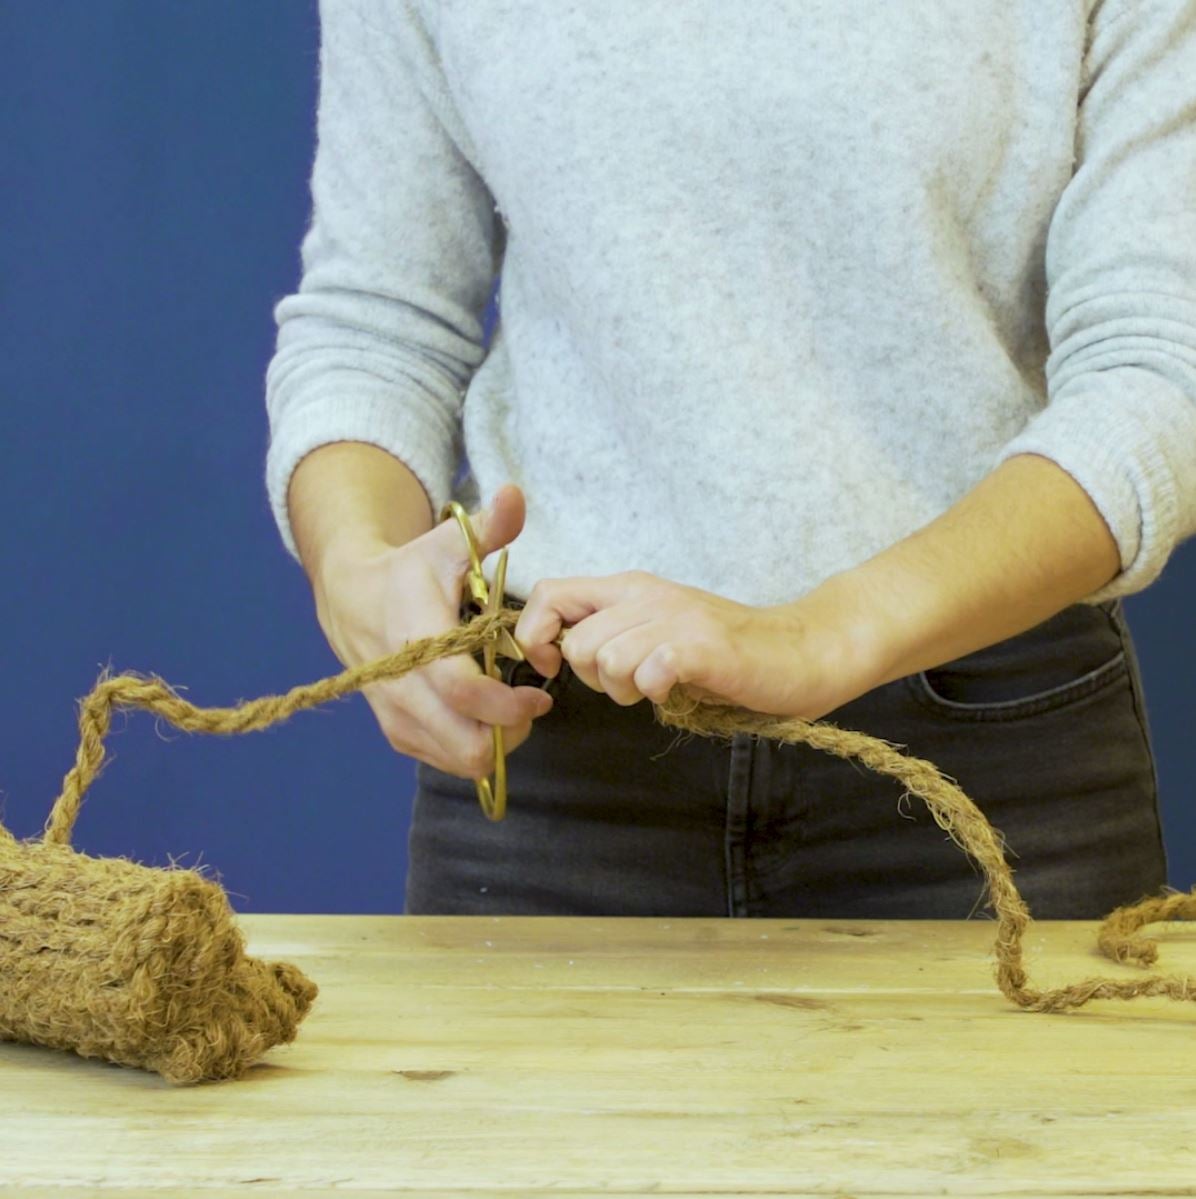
(635,635)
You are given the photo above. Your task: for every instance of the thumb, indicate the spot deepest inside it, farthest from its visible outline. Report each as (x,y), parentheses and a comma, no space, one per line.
(501,521)
(494,526)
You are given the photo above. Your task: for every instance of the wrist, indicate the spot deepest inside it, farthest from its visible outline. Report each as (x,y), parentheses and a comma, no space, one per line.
(347,500)
(849,622)
(347,551)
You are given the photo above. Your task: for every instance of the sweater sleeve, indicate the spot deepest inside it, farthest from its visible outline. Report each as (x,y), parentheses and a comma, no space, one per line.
(380,339)
(1121,302)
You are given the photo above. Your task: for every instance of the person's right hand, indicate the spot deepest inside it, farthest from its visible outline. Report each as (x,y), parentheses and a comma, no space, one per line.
(369,603)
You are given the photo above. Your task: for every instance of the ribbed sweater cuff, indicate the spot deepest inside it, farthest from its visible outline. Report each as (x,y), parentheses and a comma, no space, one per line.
(356,413)
(1123,462)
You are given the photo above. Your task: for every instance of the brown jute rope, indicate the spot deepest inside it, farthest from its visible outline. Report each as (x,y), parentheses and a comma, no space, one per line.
(951,808)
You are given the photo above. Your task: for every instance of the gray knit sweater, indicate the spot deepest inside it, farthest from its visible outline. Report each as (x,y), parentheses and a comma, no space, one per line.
(781,280)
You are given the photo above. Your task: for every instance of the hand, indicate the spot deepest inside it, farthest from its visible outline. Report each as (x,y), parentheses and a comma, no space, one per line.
(635,635)
(371,601)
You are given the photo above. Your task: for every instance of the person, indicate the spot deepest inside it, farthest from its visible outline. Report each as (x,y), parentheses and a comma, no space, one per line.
(844,367)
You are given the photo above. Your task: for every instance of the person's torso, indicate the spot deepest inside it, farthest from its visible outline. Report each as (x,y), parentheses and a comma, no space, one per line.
(803,237)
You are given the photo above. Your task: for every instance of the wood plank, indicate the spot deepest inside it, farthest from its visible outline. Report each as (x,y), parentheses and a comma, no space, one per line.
(474,1056)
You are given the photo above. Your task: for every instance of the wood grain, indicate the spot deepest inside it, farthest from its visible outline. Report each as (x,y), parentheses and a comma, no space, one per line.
(474,1056)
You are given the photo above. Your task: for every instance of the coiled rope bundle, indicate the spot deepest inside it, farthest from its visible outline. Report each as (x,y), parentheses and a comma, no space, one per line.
(144,966)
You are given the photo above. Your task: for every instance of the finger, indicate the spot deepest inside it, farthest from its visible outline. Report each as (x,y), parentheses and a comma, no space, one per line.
(597,652)
(475,696)
(637,664)
(494,527)
(445,704)
(426,726)
(659,672)
(482,765)
(498,524)
(554,603)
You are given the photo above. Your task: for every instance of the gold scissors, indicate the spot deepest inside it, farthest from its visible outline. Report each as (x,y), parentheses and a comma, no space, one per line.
(487,598)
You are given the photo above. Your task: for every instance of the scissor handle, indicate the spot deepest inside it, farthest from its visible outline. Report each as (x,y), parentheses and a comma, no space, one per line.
(474,577)
(493,799)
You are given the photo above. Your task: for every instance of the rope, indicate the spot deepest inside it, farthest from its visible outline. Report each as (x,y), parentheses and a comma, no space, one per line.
(951,808)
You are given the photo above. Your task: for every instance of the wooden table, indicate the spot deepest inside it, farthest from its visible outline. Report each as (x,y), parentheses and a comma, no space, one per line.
(454,1056)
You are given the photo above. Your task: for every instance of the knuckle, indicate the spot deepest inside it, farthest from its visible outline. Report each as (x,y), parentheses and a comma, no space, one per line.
(458,691)
(395,740)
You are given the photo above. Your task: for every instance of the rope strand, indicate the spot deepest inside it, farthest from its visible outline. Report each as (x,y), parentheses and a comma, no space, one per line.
(954,812)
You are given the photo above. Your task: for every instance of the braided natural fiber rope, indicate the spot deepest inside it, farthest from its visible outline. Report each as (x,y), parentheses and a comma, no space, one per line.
(146,966)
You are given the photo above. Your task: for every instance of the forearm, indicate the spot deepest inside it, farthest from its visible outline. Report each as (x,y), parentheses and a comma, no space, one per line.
(1023,544)
(351,495)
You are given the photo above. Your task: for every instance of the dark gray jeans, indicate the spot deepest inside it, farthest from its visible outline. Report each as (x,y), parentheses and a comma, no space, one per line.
(611,814)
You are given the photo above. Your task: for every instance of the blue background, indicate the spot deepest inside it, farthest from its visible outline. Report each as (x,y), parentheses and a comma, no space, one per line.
(153,199)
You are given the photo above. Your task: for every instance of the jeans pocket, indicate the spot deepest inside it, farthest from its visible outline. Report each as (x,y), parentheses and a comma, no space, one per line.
(1060,661)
